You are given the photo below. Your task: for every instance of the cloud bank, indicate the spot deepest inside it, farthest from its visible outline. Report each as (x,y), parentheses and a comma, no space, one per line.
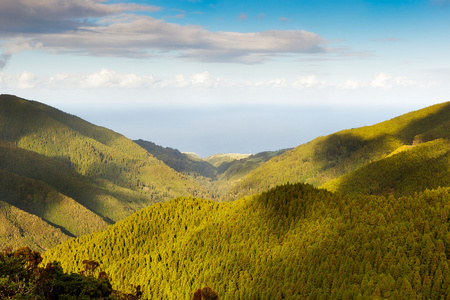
(91,27)
(106,78)
(50,16)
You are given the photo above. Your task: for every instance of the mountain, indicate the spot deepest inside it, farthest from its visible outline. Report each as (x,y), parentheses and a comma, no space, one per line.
(74,175)
(292,242)
(328,157)
(410,170)
(219,159)
(88,149)
(217,173)
(178,161)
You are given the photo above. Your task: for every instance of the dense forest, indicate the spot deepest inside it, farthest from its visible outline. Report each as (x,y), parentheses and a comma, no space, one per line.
(292,242)
(409,170)
(360,214)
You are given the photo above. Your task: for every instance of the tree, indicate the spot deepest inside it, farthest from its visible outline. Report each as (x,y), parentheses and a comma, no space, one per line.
(206,293)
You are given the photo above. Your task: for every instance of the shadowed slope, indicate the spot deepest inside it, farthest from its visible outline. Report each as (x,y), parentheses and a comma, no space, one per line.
(18,228)
(74,175)
(416,169)
(88,149)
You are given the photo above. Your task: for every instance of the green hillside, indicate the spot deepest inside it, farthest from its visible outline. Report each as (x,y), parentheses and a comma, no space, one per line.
(416,169)
(236,169)
(178,161)
(40,199)
(292,242)
(110,202)
(326,158)
(20,228)
(88,149)
(73,175)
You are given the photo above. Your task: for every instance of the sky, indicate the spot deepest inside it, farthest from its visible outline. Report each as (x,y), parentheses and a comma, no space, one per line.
(227,76)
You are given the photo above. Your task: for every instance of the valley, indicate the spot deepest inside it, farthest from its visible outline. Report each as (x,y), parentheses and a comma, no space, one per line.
(362,213)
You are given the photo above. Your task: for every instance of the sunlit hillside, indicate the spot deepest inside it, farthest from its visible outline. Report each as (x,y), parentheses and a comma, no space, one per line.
(425,166)
(293,242)
(328,157)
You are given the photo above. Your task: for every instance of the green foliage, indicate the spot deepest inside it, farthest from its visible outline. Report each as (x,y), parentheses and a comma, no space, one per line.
(293,242)
(22,278)
(329,157)
(18,228)
(422,167)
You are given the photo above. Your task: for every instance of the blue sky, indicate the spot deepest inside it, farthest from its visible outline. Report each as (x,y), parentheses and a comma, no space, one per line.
(227,76)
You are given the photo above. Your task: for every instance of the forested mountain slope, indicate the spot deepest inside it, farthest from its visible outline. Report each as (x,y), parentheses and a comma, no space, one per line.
(292,242)
(180,162)
(217,173)
(18,228)
(88,149)
(415,169)
(329,157)
(76,176)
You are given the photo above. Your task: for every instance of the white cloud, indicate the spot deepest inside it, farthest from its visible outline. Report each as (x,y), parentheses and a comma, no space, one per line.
(103,79)
(278,83)
(4,58)
(386,81)
(201,78)
(14,46)
(310,81)
(352,84)
(196,42)
(110,79)
(26,80)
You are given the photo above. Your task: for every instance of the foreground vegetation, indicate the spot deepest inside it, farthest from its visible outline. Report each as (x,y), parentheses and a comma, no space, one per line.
(21,277)
(294,242)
